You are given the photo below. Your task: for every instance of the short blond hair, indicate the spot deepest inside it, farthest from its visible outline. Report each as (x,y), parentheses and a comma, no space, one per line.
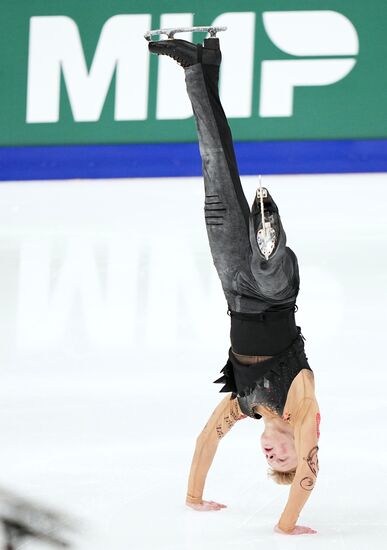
(282,478)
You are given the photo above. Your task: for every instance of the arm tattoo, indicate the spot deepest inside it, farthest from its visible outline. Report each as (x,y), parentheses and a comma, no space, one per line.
(229,420)
(312,460)
(219,431)
(308,482)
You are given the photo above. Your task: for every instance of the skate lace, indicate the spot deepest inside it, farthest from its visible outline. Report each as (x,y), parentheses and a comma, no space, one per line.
(179,60)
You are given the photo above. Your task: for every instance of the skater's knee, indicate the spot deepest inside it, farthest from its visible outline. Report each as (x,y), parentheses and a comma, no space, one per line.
(214,210)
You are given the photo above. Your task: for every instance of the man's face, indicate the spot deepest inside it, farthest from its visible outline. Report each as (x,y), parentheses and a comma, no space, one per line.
(279,450)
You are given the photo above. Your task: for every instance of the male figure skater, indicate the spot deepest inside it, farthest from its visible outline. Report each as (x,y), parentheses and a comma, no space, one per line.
(267,372)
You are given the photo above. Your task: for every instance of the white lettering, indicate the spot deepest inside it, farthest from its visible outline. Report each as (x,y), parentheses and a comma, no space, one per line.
(304,33)
(55,47)
(236,78)
(279,78)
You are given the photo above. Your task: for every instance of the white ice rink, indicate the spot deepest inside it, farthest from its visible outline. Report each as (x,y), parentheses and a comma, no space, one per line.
(113,327)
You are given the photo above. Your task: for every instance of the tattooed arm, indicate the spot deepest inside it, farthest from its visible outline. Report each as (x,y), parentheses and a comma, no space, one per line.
(306,434)
(221,421)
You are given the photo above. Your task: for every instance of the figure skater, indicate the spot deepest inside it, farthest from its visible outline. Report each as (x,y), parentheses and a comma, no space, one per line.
(267,374)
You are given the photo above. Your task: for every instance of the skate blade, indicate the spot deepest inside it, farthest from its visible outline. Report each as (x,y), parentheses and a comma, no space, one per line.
(171,32)
(266,239)
(264,193)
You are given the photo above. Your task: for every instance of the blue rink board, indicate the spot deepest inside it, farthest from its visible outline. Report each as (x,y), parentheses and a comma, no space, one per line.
(182,159)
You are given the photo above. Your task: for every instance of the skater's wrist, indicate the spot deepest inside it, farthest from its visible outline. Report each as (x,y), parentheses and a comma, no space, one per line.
(285,527)
(190,499)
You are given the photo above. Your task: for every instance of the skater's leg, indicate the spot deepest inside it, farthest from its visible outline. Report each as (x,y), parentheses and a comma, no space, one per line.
(232,231)
(226,208)
(223,134)
(273,265)
(277,275)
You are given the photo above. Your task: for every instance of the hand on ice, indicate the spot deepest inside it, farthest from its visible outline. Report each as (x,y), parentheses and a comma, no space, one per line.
(298,530)
(206,506)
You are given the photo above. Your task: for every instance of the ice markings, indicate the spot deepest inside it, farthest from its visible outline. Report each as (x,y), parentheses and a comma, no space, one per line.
(114,293)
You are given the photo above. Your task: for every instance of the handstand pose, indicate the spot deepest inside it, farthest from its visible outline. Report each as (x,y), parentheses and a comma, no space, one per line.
(267,372)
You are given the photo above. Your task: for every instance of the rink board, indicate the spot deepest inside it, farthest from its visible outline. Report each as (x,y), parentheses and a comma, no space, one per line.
(182,159)
(81,96)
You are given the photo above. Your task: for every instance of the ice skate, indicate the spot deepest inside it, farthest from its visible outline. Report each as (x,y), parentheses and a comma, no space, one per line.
(212,31)
(267,231)
(184,52)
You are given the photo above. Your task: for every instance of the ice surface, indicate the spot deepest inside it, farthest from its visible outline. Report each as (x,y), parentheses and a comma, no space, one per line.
(113,326)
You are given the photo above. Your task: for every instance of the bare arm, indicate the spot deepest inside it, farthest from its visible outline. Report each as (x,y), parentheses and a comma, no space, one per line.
(306,442)
(226,414)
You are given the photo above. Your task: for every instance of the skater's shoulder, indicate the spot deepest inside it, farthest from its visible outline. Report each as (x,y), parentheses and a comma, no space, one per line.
(301,392)
(303,384)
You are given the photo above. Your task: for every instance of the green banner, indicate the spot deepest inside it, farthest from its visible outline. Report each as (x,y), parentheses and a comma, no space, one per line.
(79,72)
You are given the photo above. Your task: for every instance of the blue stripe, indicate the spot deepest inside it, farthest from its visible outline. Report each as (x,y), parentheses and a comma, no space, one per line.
(182,159)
